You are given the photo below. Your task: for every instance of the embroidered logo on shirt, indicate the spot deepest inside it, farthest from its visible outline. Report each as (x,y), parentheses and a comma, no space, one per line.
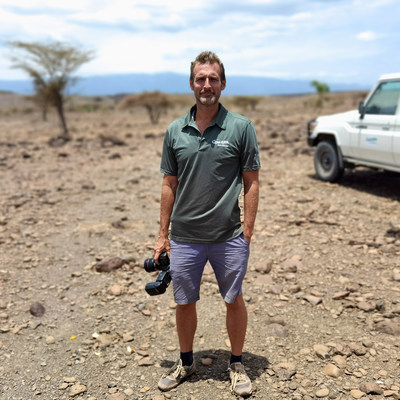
(221,143)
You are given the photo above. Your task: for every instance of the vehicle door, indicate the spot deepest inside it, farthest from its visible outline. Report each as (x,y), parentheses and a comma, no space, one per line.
(396,138)
(376,128)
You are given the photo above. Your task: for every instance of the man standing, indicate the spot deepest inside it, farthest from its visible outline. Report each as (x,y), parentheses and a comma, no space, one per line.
(207,154)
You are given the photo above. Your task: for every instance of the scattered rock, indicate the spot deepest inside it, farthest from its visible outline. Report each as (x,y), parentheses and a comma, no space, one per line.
(285,370)
(322,351)
(322,393)
(291,265)
(50,340)
(356,394)
(128,337)
(396,275)
(37,309)
(109,141)
(145,362)
(110,264)
(207,361)
(58,141)
(129,392)
(77,389)
(366,306)
(332,371)
(314,300)
(340,361)
(274,329)
(63,386)
(115,290)
(388,327)
(340,295)
(264,267)
(104,340)
(371,388)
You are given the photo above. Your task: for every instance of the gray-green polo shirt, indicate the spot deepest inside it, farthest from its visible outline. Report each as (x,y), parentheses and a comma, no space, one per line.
(208,167)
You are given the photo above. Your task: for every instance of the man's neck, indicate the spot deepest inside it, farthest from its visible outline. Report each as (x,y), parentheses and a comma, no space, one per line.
(206,113)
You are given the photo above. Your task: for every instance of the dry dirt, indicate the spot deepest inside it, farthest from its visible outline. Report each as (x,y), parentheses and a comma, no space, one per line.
(322,289)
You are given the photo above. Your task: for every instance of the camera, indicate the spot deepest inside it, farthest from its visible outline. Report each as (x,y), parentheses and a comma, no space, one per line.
(164,277)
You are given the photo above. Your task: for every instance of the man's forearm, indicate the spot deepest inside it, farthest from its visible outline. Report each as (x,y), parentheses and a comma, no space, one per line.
(166,206)
(168,190)
(251,194)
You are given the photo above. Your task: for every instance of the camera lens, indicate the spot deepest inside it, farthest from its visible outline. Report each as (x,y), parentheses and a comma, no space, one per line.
(150,265)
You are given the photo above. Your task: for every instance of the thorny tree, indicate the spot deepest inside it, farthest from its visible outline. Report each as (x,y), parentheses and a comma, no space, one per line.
(50,65)
(156,103)
(321,88)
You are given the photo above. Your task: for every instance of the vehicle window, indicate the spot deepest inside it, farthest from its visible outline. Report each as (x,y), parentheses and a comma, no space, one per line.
(384,100)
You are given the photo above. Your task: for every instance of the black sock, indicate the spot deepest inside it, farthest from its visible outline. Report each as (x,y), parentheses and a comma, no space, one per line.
(235,359)
(187,358)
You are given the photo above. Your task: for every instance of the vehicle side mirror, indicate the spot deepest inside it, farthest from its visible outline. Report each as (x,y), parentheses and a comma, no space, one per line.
(361,109)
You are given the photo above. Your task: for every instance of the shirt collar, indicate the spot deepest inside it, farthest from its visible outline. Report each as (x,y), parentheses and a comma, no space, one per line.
(220,120)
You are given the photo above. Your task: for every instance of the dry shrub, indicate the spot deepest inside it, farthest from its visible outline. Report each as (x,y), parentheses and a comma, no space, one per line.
(156,103)
(246,102)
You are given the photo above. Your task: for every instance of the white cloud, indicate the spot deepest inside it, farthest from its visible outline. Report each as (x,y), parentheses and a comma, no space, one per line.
(367,36)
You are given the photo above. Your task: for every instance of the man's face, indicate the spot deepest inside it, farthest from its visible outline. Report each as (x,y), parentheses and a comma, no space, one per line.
(207,84)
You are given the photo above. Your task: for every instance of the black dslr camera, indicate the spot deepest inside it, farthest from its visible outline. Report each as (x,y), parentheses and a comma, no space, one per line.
(164,277)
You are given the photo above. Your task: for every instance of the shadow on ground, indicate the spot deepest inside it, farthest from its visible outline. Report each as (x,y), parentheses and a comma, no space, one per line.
(218,370)
(376,182)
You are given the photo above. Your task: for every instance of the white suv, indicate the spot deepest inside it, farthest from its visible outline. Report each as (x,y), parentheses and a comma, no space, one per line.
(368,137)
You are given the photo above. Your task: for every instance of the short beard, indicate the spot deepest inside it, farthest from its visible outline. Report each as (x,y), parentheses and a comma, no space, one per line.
(208,101)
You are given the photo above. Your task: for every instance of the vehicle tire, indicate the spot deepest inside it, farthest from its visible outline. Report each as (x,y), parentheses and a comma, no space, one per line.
(326,162)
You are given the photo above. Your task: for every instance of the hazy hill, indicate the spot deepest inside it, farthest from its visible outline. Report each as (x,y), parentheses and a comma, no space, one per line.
(177,83)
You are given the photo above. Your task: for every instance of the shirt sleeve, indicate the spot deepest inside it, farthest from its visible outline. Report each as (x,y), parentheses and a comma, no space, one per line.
(168,160)
(249,156)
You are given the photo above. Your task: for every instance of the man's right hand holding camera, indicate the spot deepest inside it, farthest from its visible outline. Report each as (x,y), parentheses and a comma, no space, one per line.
(162,245)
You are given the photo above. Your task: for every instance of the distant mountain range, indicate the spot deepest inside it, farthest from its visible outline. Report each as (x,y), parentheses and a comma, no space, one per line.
(108,85)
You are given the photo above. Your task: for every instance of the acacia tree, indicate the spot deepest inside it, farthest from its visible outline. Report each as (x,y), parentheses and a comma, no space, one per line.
(50,65)
(321,88)
(156,103)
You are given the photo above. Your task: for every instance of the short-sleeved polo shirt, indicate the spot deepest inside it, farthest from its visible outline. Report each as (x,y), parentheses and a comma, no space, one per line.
(209,169)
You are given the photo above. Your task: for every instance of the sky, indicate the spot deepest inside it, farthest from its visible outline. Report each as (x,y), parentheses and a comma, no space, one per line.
(334,41)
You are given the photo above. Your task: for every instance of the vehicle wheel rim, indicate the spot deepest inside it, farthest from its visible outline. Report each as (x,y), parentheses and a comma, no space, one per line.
(326,161)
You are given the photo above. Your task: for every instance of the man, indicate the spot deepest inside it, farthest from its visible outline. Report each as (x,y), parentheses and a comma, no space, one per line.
(206,155)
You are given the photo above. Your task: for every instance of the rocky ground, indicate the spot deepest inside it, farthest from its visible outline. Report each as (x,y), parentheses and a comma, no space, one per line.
(322,289)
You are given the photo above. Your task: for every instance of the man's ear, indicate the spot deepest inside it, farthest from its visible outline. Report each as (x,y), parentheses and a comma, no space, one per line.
(191,84)
(223,84)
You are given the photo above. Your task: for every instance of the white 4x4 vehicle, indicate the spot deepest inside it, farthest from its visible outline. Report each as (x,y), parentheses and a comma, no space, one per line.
(368,137)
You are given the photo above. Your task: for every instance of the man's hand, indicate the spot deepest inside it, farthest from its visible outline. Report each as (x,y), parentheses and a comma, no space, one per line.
(162,245)
(247,235)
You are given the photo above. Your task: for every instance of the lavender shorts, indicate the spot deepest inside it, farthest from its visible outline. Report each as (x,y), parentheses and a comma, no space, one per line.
(228,260)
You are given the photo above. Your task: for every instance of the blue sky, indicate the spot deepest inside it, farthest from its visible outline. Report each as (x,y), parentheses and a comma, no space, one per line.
(346,41)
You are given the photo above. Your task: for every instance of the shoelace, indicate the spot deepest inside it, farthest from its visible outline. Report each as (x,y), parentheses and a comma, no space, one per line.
(237,377)
(178,371)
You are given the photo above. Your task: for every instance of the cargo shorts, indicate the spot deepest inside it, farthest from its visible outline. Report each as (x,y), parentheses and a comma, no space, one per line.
(228,260)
